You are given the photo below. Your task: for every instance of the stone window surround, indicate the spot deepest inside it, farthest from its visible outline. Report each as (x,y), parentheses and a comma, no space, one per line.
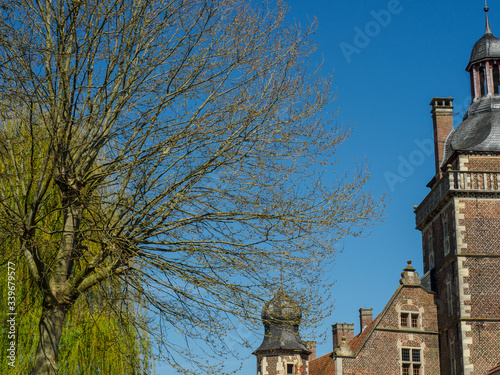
(411,362)
(409,326)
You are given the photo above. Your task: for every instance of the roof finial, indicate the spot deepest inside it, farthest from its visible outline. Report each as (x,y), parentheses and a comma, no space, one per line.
(486,9)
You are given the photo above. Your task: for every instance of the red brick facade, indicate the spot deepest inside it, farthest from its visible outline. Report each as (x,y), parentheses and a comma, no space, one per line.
(466,275)
(457,310)
(448,322)
(407,323)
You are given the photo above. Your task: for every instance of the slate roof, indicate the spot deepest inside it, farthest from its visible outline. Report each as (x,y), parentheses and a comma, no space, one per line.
(281,318)
(480,129)
(486,48)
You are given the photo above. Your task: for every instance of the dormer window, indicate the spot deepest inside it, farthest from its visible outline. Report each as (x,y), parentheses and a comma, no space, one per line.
(289,369)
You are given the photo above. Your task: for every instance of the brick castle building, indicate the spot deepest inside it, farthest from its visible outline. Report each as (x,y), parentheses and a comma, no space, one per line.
(446,322)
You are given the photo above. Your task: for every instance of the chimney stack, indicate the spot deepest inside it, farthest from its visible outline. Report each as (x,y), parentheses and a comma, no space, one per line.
(365,317)
(442,119)
(340,330)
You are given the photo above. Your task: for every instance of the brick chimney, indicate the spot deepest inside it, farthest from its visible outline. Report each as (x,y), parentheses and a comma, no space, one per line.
(340,330)
(311,345)
(442,120)
(365,317)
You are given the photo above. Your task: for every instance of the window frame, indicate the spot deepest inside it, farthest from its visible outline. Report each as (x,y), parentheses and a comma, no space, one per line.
(453,358)
(411,367)
(411,317)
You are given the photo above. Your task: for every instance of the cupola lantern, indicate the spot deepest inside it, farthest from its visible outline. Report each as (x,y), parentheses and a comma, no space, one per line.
(484,63)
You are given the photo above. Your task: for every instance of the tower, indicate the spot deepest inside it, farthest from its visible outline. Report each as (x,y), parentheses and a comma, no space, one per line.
(460,220)
(282,351)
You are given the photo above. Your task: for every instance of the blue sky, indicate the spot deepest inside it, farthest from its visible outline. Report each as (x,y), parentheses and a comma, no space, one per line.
(385,82)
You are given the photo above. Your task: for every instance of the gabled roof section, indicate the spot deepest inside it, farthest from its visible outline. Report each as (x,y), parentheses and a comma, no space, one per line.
(409,280)
(359,339)
(324,365)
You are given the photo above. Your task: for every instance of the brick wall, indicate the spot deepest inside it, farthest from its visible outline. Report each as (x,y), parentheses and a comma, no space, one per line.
(275,363)
(483,163)
(480,225)
(433,232)
(485,351)
(381,353)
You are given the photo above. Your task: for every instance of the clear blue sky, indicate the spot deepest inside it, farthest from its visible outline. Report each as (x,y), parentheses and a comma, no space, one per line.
(385,84)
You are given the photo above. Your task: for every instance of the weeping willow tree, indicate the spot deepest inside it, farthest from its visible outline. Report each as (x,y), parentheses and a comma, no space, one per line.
(100,336)
(97,338)
(185,147)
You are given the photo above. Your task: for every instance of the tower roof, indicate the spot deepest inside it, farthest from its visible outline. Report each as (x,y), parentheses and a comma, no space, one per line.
(480,128)
(486,48)
(282,309)
(281,318)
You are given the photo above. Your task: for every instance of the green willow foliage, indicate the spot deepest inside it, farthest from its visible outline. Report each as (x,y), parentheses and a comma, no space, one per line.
(96,339)
(100,333)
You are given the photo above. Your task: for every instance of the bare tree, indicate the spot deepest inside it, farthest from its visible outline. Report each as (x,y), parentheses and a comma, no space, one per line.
(186,144)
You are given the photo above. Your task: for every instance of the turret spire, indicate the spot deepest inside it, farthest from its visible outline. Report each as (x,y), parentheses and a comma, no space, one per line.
(486,9)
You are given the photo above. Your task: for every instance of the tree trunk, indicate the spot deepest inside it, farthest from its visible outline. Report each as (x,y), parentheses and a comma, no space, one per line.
(51,326)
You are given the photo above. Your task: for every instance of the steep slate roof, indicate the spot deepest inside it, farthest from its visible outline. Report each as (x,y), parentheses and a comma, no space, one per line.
(324,365)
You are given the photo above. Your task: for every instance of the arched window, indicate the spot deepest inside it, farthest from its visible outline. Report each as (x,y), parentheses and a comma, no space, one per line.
(496,78)
(482,81)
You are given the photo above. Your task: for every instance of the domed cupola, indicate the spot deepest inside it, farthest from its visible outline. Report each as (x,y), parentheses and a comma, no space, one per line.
(486,48)
(282,350)
(483,64)
(281,317)
(480,129)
